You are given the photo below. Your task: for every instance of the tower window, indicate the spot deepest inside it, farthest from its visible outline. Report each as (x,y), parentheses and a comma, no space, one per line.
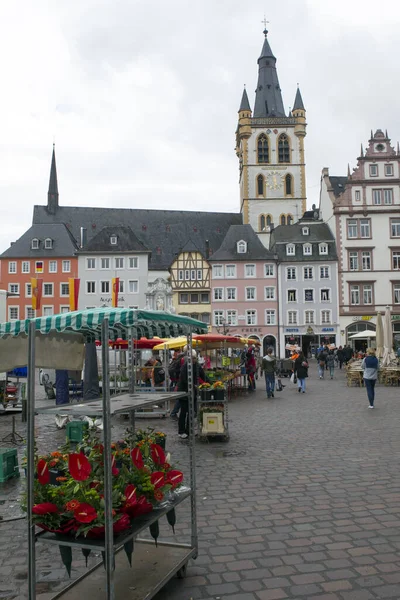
(260,185)
(262,223)
(288,185)
(263,149)
(283,220)
(283,149)
(289,220)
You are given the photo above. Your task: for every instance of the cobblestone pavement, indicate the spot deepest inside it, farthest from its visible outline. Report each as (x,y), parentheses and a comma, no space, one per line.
(302,503)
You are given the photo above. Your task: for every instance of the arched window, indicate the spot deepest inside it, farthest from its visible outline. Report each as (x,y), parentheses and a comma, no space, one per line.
(262,223)
(241,247)
(283,149)
(263,149)
(283,220)
(269,220)
(289,220)
(288,185)
(260,185)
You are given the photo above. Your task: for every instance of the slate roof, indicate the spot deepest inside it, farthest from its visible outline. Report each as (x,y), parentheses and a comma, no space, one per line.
(298,101)
(236,233)
(63,242)
(126,241)
(292,234)
(245,104)
(268,101)
(164,232)
(338,184)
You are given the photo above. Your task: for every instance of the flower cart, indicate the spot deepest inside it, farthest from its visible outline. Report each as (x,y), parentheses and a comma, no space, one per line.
(212,411)
(126,512)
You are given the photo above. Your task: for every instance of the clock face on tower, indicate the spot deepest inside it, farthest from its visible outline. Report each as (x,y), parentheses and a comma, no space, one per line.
(274,180)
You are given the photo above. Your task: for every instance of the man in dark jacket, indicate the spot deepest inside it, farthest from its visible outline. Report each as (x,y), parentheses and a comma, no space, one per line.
(268,367)
(199,376)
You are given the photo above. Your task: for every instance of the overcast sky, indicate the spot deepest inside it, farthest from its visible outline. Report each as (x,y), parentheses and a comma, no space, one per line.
(141,96)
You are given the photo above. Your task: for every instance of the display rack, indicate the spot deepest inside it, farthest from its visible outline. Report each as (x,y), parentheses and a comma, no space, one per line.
(153,566)
(213,428)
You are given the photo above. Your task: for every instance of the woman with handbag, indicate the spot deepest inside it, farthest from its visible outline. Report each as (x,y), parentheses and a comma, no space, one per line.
(301,370)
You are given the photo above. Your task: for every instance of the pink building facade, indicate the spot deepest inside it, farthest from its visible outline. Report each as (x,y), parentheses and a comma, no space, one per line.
(244,288)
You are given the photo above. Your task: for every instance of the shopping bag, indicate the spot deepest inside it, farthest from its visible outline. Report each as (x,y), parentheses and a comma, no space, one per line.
(278,384)
(293,378)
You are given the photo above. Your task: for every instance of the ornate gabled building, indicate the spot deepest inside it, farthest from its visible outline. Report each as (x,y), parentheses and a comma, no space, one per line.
(270,148)
(190,282)
(364,212)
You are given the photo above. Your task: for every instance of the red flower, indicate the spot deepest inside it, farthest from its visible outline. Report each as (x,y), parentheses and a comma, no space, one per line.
(174,477)
(122,524)
(157,454)
(141,508)
(166,466)
(72,505)
(99,448)
(85,513)
(115,471)
(130,494)
(44,508)
(157,479)
(43,472)
(79,467)
(158,495)
(137,458)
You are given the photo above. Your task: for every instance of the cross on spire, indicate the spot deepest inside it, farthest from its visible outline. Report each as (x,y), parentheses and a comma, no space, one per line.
(264,21)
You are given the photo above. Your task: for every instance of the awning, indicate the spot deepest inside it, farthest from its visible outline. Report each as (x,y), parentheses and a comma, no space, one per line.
(363,335)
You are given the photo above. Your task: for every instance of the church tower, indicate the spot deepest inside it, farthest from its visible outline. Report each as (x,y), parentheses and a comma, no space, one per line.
(270,148)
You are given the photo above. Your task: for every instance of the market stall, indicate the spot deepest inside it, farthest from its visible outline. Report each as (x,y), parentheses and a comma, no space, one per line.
(59,340)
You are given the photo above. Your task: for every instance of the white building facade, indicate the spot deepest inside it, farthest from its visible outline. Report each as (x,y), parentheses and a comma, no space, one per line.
(114,252)
(364,208)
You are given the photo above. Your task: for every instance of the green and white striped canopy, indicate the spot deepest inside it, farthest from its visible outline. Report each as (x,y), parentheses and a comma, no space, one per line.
(145,323)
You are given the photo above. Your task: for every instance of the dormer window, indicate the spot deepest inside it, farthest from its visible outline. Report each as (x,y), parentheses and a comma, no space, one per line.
(323,248)
(113,240)
(290,250)
(48,243)
(307,249)
(305,231)
(35,244)
(241,247)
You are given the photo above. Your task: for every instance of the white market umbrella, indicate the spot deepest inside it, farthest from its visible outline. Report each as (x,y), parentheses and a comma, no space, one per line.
(388,353)
(362,335)
(379,335)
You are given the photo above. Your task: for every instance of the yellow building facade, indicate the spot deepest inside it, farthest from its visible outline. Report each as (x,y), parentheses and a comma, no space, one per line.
(190,282)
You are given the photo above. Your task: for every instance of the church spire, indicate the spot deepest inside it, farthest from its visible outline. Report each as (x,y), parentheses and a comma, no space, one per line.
(298,101)
(52,194)
(245,104)
(269,101)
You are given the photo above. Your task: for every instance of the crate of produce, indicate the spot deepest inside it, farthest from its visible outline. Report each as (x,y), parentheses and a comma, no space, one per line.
(76,430)
(8,464)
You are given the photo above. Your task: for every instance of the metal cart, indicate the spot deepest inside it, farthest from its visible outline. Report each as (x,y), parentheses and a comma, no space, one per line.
(153,566)
(210,424)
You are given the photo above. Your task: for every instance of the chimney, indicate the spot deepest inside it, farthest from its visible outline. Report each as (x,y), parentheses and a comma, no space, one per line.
(207,249)
(83,236)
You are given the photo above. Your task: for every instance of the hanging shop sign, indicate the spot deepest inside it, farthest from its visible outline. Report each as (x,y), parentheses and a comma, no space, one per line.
(310,331)
(363,318)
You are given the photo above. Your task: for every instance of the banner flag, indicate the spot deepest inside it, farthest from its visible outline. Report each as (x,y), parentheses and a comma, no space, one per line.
(37,288)
(114,292)
(73,293)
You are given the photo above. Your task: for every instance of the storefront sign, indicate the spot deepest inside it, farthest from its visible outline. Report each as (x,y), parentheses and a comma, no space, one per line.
(395,317)
(328,329)
(365,318)
(107,300)
(251,329)
(292,330)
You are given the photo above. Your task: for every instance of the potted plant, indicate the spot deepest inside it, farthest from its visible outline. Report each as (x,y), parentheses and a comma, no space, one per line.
(218,390)
(205,391)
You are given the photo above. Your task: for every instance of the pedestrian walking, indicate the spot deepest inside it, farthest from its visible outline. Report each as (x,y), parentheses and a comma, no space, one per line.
(268,367)
(321,357)
(301,370)
(370,366)
(340,356)
(198,377)
(251,370)
(330,362)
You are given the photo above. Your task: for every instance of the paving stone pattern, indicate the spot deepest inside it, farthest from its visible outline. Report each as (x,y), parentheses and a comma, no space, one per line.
(302,502)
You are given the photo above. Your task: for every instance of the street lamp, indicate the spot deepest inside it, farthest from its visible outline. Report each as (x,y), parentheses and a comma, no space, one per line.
(225,329)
